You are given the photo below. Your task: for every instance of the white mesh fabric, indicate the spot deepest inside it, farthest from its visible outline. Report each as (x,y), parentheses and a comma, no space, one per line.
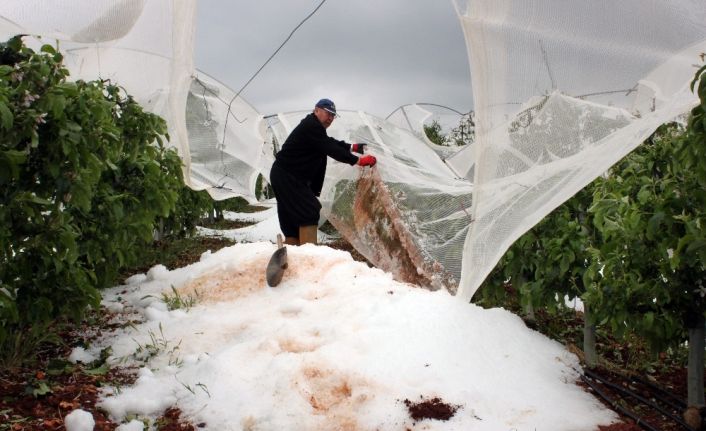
(77,21)
(463,161)
(562,90)
(225,166)
(144,46)
(415,116)
(427,202)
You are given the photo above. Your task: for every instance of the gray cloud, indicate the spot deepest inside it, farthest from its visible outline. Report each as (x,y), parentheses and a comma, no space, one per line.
(368,55)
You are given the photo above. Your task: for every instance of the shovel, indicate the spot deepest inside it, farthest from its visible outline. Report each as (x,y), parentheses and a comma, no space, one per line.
(277,264)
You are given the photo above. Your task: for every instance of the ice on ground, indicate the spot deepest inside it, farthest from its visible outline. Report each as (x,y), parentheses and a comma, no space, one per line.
(133,425)
(79,420)
(79,354)
(254,217)
(337,345)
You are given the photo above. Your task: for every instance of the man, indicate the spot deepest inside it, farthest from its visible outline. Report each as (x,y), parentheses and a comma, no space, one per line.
(297,174)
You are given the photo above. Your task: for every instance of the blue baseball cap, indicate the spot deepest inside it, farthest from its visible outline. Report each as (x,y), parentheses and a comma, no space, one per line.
(327,105)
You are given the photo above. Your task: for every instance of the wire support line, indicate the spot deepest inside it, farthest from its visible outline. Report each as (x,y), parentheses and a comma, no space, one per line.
(206,88)
(427,104)
(266,62)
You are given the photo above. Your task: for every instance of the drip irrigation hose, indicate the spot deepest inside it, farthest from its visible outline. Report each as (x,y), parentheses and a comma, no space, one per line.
(677,406)
(622,410)
(669,398)
(640,398)
(650,403)
(679,402)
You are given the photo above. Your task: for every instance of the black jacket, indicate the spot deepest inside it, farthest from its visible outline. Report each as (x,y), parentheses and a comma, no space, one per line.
(304,152)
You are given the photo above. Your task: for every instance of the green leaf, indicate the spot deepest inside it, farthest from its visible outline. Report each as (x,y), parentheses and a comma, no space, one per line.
(57,367)
(6,117)
(10,163)
(48,49)
(15,43)
(654,223)
(5,70)
(72,126)
(696,245)
(645,194)
(697,76)
(34,199)
(98,371)
(41,388)
(648,319)
(68,241)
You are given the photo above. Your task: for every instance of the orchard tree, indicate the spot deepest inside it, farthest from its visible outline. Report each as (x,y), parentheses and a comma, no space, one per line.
(651,212)
(84,176)
(465,132)
(434,133)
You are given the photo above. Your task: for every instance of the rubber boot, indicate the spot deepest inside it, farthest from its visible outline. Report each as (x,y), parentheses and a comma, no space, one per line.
(291,240)
(308,234)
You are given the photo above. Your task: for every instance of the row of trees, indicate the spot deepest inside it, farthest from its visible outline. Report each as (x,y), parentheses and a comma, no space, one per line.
(85,182)
(631,245)
(463,134)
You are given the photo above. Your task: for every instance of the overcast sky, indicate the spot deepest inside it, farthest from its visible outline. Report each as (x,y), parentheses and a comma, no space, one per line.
(367,55)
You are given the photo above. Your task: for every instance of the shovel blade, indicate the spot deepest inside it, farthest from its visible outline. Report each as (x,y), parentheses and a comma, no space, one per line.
(276,266)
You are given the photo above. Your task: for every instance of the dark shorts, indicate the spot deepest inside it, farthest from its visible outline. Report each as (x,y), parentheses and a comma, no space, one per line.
(296,203)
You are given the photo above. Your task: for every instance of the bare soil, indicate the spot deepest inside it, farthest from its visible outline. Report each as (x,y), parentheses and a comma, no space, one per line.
(430,408)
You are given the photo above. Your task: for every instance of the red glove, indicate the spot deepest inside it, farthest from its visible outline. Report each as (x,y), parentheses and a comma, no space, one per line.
(358,148)
(367,161)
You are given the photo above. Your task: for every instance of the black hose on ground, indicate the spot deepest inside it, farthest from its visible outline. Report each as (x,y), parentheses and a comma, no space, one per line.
(640,398)
(677,403)
(622,410)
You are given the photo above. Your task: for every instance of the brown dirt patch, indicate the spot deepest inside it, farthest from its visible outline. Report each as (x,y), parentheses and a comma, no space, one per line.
(430,408)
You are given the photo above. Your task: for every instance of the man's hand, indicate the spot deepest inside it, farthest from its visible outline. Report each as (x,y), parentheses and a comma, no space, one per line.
(358,148)
(367,161)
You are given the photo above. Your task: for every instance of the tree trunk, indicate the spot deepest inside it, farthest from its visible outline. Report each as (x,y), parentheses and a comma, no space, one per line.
(529,309)
(589,338)
(159,231)
(695,375)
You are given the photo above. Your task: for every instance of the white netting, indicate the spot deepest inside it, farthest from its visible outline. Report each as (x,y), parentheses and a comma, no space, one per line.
(417,116)
(77,21)
(562,90)
(457,128)
(227,165)
(413,219)
(144,46)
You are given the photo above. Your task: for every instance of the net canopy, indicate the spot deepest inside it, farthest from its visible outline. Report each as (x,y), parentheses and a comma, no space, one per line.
(457,128)
(561,89)
(144,46)
(227,142)
(147,48)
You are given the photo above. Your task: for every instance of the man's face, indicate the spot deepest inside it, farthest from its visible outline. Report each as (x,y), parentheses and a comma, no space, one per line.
(325,117)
